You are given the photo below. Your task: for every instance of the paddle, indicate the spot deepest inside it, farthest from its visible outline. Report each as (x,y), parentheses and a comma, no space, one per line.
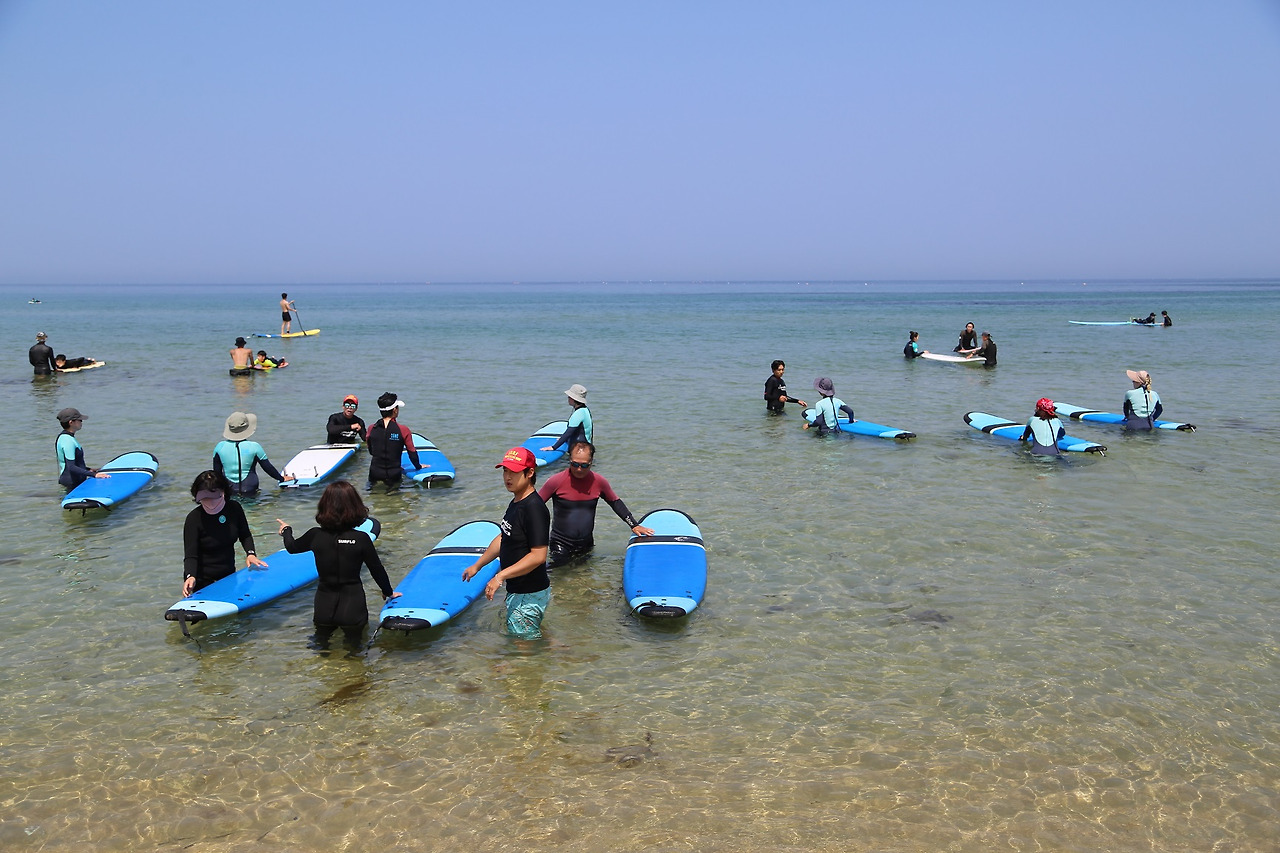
(300,323)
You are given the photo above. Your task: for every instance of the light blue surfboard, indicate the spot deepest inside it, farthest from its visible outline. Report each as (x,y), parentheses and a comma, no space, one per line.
(861,427)
(1079,413)
(436,466)
(316,463)
(546,437)
(129,473)
(665,575)
(249,587)
(1156,325)
(434,592)
(1012,431)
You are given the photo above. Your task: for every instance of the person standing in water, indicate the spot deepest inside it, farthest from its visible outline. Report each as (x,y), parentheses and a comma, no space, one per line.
(520,548)
(912,349)
(385,439)
(775,390)
(41,356)
(1167,321)
(237,458)
(579,428)
(827,418)
(286,319)
(987,350)
(1142,404)
(574,494)
(72,469)
(210,533)
(241,358)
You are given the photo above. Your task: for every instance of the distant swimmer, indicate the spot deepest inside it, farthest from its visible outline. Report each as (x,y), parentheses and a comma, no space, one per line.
(286,319)
(828,408)
(1044,429)
(1168,321)
(775,390)
(1142,404)
(987,350)
(579,428)
(968,339)
(912,349)
(72,469)
(241,358)
(1149,320)
(41,356)
(61,362)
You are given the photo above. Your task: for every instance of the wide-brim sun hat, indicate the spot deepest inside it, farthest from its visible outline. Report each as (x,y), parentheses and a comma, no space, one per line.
(824,386)
(1139,376)
(578,393)
(239,425)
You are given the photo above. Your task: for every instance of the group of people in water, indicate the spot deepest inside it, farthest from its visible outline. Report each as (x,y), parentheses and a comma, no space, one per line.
(1152,320)
(46,363)
(967,346)
(528,545)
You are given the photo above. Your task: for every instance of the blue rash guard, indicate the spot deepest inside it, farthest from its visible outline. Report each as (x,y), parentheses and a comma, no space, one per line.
(238,460)
(828,411)
(579,428)
(1141,408)
(1044,435)
(72,470)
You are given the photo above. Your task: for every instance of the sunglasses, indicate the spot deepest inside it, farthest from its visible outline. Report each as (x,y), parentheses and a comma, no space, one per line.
(349,406)
(580,465)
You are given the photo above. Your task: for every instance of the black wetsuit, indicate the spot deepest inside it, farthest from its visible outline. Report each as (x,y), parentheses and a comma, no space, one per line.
(80,361)
(775,388)
(525,525)
(988,351)
(340,601)
(41,357)
(209,543)
(344,430)
(912,350)
(385,443)
(968,340)
(574,500)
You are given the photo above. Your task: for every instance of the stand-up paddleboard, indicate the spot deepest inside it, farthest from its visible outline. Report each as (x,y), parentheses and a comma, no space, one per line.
(665,575)
(859,427)
(309,333)
(129,473)
(436,466)
(1155,325)
(950,358)
(78,369)
(249,588)
(1079,413)
(315,463)
(1006,429)
(546,437)
(434,592)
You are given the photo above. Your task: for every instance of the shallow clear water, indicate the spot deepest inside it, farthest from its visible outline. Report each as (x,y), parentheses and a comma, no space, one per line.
(938,645)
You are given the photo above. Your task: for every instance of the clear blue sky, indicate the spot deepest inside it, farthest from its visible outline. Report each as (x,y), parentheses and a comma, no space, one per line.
(298,142)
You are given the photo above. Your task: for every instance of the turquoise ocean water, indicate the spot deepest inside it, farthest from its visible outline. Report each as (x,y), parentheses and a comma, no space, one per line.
(943,645)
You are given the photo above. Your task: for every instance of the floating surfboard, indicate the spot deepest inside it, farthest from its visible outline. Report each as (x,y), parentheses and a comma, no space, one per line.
(950,358)
(859,427)
(1006,429)
(129,473)
(249,588)
(665,575)
(1079,413)
(546,437)
(78,369)
(437,467)
(309,333)
(316,462)
(434,592)
(1155,325)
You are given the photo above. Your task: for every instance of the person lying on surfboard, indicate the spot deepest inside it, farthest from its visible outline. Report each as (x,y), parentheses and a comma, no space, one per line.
(61,362)
(265,362)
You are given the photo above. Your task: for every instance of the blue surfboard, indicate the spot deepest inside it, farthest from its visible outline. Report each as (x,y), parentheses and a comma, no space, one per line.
(546,437)
(315,463)
(436,466)
(249,588)
(860,427)
(665,575)
(1079,413)
(434,592)
(129,473)
(1011,431)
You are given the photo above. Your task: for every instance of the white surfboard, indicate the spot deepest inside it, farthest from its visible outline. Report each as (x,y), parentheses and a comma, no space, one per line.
(950,358)
(316,462)
(78,369)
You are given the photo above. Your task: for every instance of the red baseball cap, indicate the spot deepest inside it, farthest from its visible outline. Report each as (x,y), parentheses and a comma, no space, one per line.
(518,459)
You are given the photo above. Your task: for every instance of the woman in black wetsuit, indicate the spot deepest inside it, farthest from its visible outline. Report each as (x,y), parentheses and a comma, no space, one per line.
(968,339)
(340,551)
(210,534)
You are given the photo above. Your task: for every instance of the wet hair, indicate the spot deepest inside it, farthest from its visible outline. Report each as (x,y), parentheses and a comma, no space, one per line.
(262,353)
(284,296)
(210,481)
(777,362)
(340,507)
(912,335)
(60,357)
(588,445)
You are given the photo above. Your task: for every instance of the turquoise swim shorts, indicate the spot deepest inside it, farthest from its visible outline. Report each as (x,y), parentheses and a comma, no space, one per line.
(525,611)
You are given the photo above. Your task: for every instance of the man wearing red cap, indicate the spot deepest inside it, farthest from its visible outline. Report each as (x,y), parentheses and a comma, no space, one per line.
(345,427)
(521,548)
